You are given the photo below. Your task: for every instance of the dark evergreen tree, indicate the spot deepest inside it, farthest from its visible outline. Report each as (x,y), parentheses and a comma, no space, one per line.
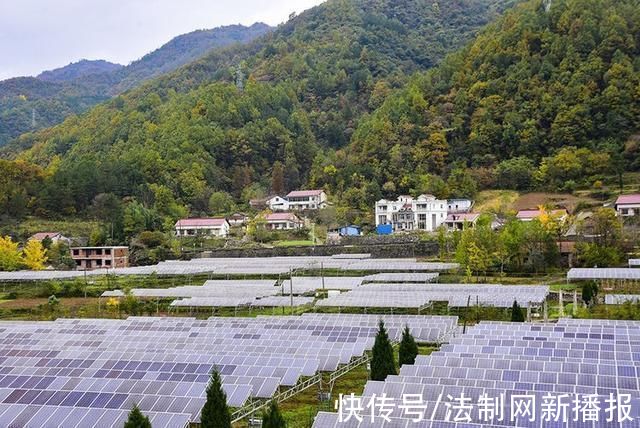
(408,348)
(272,418)
(215,413)
(136,419)
(589,292)
(516,312)
(382,361)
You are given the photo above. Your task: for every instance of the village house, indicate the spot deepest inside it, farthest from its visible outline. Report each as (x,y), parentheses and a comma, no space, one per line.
(90,258)
(54,237)
(459,205)
(215,227)
(459,221)
(237,219)
(277,203)
(307,199)
(283,221)
(424,213)
(628,205)
(529,215)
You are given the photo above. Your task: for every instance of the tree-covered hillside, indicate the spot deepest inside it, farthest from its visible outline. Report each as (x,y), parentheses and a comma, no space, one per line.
(78,69)
(277,102)
(28,104)
(548,95)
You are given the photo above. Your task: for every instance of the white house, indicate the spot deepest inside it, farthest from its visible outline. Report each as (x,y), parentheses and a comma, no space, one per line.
(405,214)
(277,203)
(459,205)
(307,199)
(628,205)
(218,227)
(283,221)
(458,221)
(237,219)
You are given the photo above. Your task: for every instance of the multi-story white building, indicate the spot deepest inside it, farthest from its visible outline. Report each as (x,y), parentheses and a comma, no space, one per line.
(406,213)
(307,199)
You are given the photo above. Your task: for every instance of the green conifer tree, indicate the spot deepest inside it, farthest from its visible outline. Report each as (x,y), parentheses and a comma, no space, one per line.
(272,418)
(382,361)
(408,350)
(516,312)
(215,413)
(136,419)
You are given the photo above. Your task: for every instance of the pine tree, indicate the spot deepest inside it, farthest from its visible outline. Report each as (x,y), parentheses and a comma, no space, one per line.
(382,361)
(408,348)
(215,413)
(136,419)
(272,418)
(516,312)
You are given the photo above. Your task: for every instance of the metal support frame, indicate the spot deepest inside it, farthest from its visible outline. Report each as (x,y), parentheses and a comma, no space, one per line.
(316,379)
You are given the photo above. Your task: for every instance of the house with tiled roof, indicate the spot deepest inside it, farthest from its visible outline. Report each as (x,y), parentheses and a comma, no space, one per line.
(283,221)
(628,205)
(214,227)
(55,237)
(307,199)
(529,215)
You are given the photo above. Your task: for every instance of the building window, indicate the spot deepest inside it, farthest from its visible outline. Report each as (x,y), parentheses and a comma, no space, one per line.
(76,252)
(107,251)
(625,211)
(107,262)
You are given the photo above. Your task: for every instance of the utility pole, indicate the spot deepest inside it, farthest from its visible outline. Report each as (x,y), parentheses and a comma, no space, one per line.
(291,289)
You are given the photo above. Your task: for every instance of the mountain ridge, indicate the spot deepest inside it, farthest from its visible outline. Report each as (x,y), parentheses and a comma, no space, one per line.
(56,94)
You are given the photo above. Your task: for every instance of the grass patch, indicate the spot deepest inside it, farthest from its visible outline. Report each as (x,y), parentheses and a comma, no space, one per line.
(71,228)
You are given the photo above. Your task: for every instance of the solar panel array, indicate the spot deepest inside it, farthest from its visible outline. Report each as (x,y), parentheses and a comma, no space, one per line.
(88,372)
(419,295)
(394,277)
(211,288)
(603,273)
(573,357)
(243,266)
(280,301)
(619,299)
(305,284)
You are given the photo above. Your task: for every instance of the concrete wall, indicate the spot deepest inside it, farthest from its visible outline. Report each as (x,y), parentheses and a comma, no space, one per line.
(377,250)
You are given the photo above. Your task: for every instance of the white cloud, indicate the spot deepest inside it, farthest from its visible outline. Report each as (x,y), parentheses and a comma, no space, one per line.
(37,35)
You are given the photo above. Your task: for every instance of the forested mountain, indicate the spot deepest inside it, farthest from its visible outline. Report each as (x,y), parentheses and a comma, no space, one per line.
(28,103)
(78,69)
(224,121)
(546,96)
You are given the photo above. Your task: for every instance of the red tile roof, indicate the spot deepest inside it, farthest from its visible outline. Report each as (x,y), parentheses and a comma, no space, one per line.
(537,213)
(200,222)
(282,217)
(628,199)
(303,193)
(471,217)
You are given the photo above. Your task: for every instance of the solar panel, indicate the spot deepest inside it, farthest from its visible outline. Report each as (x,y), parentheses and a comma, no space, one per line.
(603,273)
(73,370)
(573,357)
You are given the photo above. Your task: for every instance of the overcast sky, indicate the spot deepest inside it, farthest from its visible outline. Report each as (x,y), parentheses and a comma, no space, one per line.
(37,35)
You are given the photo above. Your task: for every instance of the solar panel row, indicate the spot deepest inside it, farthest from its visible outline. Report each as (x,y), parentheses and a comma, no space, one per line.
(249,266)
(69,371)
(419,295)
(573,358)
